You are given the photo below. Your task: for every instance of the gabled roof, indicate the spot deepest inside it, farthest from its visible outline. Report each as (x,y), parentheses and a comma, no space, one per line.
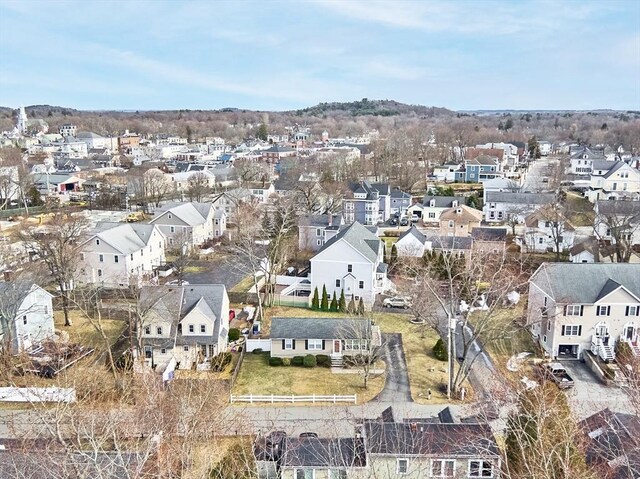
(590,154)
(584,283)
(279,149)
(548,213)
(320,221)
(192,213)
(619,208)
(319,328)
(400,194)
(602,164)
(489,234)
(442,201)
(589,245)
(124,237)
(461,213)
(359,238)
(484,160)
(414,232)
(450,243)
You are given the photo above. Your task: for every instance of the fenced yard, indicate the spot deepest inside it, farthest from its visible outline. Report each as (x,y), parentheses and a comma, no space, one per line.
(259,379)
(313,399)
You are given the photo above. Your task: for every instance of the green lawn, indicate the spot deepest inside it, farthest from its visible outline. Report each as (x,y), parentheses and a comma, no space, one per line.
(257,377)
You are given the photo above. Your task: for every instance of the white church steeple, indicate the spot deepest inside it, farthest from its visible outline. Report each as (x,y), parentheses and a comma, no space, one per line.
(22,121)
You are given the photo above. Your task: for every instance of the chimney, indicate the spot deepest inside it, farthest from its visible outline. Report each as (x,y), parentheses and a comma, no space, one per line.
(330,222)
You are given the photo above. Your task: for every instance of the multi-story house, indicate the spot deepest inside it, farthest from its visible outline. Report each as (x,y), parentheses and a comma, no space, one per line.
(352,261)
(447,172)
(510,157)
(547,229)
(459,221)
(68,130)
(399,202)
(618,221)
(575,308)
(181,181)
(315,230)
(189,324)
(229,201)
(120,254)
(275,153)
(481,169)
(501,206)
(29,312)
(546,147)
(613,180)
(192,224)
(261,190)
(368,203)
(432,207)
(582,160)
(414,243)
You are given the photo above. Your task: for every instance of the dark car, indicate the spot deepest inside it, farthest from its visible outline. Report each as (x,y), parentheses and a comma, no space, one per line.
(393,221)
(308,434)
(404,221)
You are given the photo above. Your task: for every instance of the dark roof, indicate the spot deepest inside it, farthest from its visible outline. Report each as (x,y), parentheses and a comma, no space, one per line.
(489,234)
(588,245)
(520,198)
(319,220)
(400,194)
(585,283)
(360,238)
(279,149)
(590,154)
(430,439)
(414,231)
(319,328)
(450,242)
(324,452)
(443,201)
(372,190)
(619,208)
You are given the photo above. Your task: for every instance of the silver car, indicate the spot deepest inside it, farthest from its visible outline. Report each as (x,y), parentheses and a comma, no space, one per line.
(397,302)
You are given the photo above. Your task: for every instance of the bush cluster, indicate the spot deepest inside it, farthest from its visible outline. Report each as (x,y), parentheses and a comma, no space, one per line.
(309,361)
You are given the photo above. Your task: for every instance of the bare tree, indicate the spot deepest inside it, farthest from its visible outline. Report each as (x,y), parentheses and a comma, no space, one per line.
(181,250)
(57,244)
(198,186)
(149,186)
(617,222)
(362,346)
(247,171)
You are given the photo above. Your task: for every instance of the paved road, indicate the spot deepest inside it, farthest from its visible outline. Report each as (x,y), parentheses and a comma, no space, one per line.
(396,387)
(539,169)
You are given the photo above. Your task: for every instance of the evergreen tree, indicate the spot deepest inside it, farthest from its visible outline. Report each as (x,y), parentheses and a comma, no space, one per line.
(508,125)
(315,301)
(262,132)
(473,201)
(342,304)
(361,307)
(324,305)
(533,147)
(351,308)
(334,303)
(394,254)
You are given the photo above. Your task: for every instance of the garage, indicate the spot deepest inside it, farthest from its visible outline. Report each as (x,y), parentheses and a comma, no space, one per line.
(568,351)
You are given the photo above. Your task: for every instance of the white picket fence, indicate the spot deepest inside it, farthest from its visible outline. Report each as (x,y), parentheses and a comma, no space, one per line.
(314,398)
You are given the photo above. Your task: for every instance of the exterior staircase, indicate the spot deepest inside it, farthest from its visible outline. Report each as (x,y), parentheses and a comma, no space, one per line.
(635,348)
(336,362)
(606,353)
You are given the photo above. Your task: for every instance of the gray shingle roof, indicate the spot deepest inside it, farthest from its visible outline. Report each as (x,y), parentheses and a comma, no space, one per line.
(489,234)
(124,237)
(585,283)
(324,452)
(519,198)
(319,328)
(319,220)
(414,231)
(618,208)
(360,238)
(192,213)
(442,201)
(450,242)
(602,164)
(590,154)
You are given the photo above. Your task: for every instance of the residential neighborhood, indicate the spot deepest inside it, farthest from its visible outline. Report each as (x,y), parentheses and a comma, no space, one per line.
(336,240)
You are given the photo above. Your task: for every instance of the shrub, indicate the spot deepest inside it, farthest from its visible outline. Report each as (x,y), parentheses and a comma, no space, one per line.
(234,334)
(440,350)
(323,360)
(220,361)
(297,360)
(286,361)
(309,361)
(275,361)
(257,351)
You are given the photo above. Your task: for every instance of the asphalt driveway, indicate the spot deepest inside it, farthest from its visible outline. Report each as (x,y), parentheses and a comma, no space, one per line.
(396,387)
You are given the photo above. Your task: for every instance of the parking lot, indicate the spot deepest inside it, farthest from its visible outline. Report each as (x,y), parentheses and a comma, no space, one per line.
(590,395)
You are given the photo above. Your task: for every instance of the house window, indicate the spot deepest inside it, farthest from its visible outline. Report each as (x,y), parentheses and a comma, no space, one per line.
(99,273)
(480,469)
(82,256)
(304,474)
(349,268)
(361,284)
(172,229)
(314,344)
(46,309)
(147,330)
(98,241)
(147,352)
(163,351)
(185,349)
(355,344)
(116,259)
(571,330)
(402,466)
(101,258)
(131,256)
(319,242)
(337,474)
(603,310)
(159,330)
(337,283)
(288,344)
(24,319)
(573,309)
(203,328)
(192,328)
(442,467)
(170,216)
(432,215)
(632,311)
(318,232)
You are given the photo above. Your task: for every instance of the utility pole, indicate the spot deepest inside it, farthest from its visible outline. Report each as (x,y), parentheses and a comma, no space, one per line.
(451,325)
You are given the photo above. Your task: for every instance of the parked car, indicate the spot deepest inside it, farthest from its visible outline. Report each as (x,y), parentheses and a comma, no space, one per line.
(393,221)
(177,282)
(308,434)
(232,314)
(397,302)
(135,216)
(557,373)
(404,221)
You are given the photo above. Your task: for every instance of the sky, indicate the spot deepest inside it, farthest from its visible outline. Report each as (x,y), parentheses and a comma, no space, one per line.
(281,55)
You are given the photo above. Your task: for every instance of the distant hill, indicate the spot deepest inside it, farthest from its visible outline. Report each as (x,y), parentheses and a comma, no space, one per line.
(366,107)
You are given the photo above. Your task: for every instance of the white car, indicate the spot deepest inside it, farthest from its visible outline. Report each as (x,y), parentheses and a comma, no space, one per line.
(397,302)
(177,282)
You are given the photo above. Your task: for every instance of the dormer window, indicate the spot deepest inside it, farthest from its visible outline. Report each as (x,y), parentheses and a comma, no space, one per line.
(170,215)
(432,203)
(454,203)
(98,241)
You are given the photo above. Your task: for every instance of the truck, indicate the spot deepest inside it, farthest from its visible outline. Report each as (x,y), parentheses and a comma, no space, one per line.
(557,373)
(135,216)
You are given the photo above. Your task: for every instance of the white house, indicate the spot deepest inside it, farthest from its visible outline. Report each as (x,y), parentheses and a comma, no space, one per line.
(411,243)
(584,252)
(93,140)
(499,184)
(545,148)
(261,190)
(193,223)
(575,308)
(432,207)
(617,220)
(352,261)
(189,324)
(582,160)
(613,180)
(545,228)
(499,206)
(118,254)
(446,172)
(30,312)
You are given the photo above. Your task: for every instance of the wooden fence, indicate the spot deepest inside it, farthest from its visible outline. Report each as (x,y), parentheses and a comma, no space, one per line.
(236,370)
(314,398)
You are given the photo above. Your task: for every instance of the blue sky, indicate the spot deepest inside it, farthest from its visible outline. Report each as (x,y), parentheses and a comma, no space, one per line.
(277,55)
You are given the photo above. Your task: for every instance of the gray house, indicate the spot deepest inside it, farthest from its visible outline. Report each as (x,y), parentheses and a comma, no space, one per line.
(315,230)
(499,206)
(368,203)
(400,201)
